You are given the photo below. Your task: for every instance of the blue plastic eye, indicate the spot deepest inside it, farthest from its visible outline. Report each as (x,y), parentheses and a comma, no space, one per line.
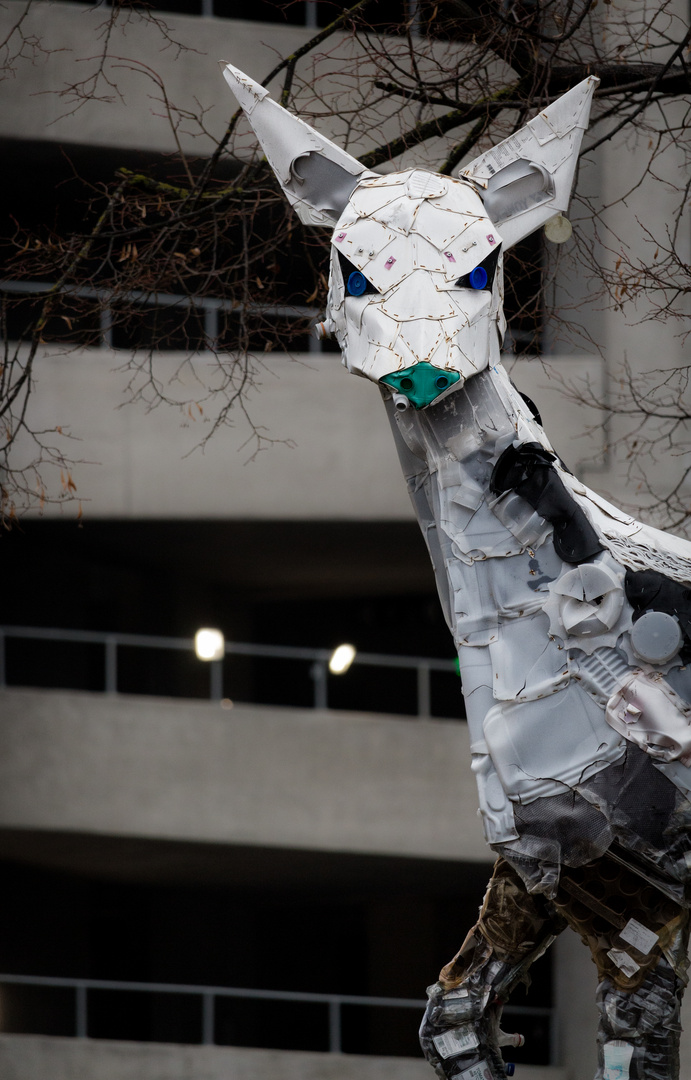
(477,277)
(441,381)
(357,283)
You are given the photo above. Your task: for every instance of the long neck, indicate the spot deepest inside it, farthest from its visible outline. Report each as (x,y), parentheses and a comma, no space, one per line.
(468,427)
(447,453)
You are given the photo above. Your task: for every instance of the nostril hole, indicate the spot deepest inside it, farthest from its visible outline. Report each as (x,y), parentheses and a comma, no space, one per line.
(441,382)
(406,384)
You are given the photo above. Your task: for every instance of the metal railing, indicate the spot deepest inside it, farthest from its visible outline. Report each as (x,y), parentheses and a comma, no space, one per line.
(319,658)
(209,994)
(210,306)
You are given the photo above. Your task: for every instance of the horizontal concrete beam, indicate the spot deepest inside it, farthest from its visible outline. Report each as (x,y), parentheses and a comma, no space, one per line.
(332,456)
(39,104)
(329,454)
(64,90)
(181,770)
(31,1057)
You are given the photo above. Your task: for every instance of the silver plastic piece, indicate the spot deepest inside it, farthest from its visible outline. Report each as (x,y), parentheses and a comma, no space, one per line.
(588,608)
(643,708)
(495,808)
(602,673)
(516,188)
(538,753)
(529,176)
(400,402)
(592,600)
(647,712)
(317,177)
(656,637)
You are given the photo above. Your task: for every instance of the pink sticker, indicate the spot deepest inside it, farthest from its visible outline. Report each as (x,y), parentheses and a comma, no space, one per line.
(449,256)
(341,236)
(389,262)
(491,238)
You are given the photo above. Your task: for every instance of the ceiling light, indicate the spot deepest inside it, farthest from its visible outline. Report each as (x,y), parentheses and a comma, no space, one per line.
(209,644)
(341,659)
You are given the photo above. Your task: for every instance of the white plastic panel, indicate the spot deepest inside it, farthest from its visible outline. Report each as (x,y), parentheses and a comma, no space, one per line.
(540,748)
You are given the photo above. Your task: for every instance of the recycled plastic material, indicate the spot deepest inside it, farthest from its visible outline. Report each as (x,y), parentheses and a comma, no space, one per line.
(571,619)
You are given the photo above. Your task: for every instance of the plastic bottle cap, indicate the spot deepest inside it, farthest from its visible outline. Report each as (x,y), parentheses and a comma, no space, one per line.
(357,283)
(656,637)
(478,277)
(558,229)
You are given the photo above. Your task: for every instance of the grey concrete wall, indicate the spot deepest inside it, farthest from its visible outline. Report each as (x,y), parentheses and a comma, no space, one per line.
(180,770)
(35,1058)
(332,456)
(37,102)
(330,453)
(161,87)
(575,978)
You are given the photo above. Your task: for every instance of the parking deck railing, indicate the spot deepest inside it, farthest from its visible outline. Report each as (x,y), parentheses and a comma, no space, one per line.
(319,659)
(209,995)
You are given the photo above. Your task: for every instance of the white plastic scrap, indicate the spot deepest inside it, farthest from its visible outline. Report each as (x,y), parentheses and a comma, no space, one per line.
(618,1056)
(530,175)
(639,936)
(624,962)
(481,1071)
(587,608)
(286,140)
(457,1041)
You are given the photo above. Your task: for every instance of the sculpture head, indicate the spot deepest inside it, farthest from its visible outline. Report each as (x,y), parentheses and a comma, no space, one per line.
(416,283)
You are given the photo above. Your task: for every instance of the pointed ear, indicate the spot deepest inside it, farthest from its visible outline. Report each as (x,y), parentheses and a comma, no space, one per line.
(527,179)
(317,176)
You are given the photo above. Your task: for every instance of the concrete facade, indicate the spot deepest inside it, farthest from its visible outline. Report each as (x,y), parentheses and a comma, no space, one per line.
(138,51)
(84,776)
(171,770)
(35,1058)
(331,457)
(89,765)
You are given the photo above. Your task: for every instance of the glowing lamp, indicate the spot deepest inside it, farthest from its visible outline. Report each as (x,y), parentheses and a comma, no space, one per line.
(209,644)
(341,659)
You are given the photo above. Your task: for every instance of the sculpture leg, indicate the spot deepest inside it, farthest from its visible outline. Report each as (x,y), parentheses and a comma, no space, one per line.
(460,1034)
(638,937)
(639,1030)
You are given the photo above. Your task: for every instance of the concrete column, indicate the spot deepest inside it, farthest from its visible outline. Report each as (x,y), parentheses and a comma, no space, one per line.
(574,995)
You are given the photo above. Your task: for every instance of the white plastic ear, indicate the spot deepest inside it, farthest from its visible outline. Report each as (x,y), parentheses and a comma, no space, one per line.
(527,179)
(315,174)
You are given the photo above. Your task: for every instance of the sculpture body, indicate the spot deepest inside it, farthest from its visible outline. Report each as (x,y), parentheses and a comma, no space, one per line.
(572,621)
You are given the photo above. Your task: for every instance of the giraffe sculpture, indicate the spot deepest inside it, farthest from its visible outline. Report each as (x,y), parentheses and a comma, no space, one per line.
(572,620)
